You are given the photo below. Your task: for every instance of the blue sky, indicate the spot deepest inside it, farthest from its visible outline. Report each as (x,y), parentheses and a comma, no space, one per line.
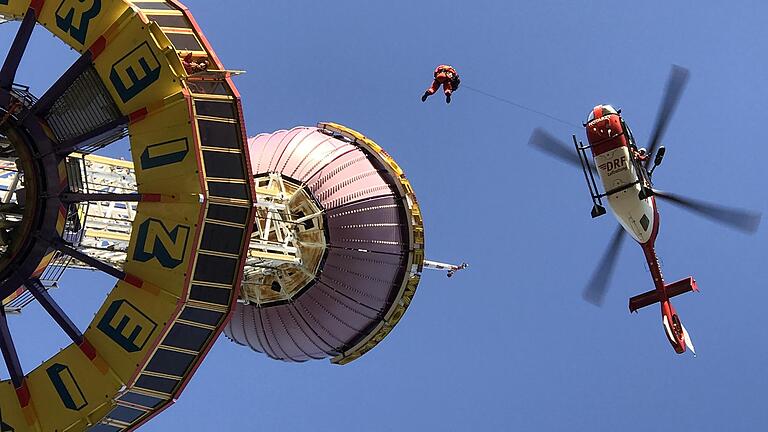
(508,344)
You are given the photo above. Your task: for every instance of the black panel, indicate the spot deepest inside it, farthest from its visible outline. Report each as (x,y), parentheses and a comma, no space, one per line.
(645,222)
(104,428)
(125,414)
(162,385)
(225,109)
(215,269)
(219,134)
(221,238)
(170,362)
(170,21)
(150,5)
(224,165)
(187,337)
(184,41)
(206,294)
(209,87)
(228,213)
(202,316)
(228,190)
(140,399)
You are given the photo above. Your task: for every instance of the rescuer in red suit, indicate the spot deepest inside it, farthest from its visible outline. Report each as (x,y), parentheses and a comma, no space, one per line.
(446,76)
(640,154)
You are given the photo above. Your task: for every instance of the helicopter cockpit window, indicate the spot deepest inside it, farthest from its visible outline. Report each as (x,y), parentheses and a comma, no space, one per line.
(605,110)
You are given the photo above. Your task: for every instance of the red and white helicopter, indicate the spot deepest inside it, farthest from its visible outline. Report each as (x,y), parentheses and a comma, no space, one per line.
(624,171)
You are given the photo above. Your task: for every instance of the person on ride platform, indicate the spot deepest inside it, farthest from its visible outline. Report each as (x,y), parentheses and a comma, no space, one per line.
(192,67)
(446,76)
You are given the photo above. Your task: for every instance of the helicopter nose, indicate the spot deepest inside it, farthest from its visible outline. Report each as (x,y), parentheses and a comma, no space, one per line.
(599,129)
(604,128)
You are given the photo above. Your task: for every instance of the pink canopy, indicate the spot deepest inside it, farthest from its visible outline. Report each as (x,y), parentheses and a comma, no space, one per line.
(369,248)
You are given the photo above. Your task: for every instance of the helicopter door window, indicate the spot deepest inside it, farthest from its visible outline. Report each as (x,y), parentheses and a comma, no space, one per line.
(645,222)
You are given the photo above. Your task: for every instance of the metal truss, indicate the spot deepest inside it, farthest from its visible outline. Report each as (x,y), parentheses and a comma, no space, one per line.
(287,243)
(98,229)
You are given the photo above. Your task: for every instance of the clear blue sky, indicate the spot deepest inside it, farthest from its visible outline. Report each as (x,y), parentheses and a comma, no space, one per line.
(509,344)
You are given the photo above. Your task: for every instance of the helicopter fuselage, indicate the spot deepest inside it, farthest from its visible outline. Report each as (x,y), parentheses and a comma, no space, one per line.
(624,179)
(620,176)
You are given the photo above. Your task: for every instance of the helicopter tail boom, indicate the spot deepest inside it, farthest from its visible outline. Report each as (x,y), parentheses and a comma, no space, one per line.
(651,297)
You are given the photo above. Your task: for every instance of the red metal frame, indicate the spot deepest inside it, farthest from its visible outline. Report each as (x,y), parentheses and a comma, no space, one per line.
(249,227)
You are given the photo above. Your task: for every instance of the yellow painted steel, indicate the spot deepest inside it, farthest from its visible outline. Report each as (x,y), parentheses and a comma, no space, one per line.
(71,373)
(416,256)
(15,9)
(105,160)
(142,72)
(142,310)
(86,20)
(106,235)
(144,50)
(166,134)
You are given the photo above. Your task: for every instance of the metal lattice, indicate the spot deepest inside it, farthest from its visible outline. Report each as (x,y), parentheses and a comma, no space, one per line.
(99,229)
(84,107)
(22,93)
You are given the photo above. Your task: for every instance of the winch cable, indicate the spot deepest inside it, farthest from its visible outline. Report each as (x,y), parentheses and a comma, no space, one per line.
(515,104)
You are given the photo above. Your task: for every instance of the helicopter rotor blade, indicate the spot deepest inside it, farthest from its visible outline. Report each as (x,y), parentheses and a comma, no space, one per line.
(598,283)
(545,142)
(678,77)
(743,220)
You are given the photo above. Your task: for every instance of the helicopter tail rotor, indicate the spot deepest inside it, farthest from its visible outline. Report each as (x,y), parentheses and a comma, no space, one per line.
(688,341)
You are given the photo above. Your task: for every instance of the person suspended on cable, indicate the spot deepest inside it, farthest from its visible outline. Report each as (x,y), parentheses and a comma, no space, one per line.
(446,76)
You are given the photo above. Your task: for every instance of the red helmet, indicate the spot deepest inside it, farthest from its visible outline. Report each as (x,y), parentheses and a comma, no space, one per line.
(445,68)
